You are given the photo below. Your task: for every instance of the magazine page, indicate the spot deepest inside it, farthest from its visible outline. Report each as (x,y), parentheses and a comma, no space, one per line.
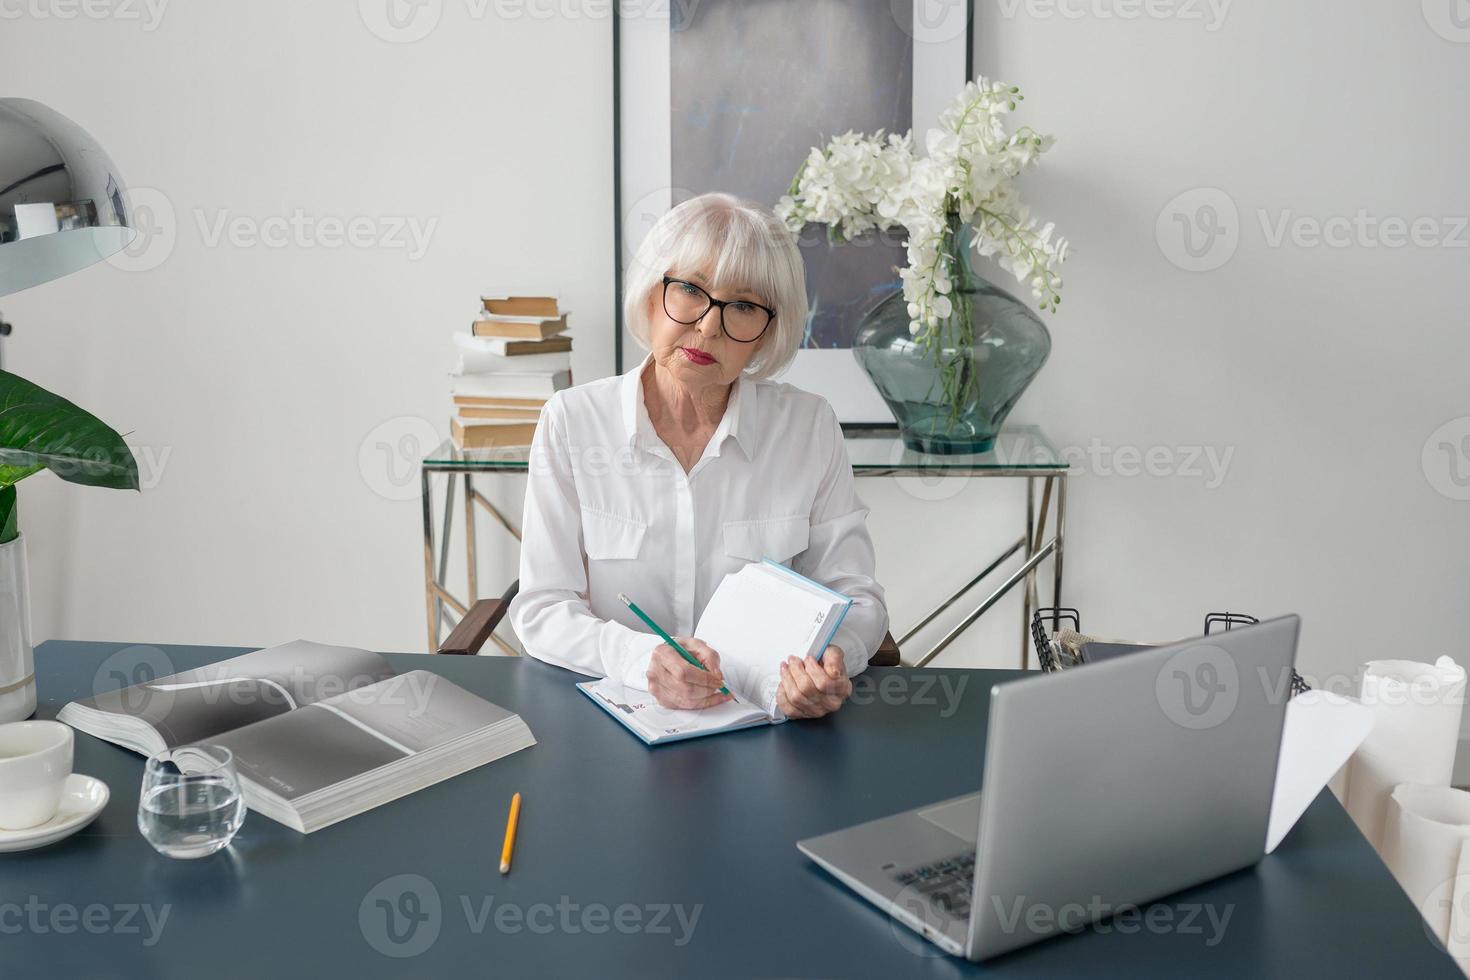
(199,704)
(355,733)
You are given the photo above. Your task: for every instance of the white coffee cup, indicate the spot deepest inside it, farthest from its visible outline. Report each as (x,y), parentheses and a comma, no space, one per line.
(35,759)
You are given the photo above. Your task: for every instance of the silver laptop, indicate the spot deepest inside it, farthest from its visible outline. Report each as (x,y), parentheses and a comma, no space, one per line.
(1105,787)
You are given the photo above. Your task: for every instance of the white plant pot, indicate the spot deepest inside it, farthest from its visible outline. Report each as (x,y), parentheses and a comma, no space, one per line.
(17,663)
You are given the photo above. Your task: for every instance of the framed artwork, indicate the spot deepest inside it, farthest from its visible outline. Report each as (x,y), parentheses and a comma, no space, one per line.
(730,95)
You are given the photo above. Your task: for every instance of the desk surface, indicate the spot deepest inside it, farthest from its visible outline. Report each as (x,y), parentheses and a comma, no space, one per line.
(616,840)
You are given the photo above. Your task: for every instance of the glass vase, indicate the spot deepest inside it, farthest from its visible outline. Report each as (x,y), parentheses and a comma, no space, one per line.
(951,387)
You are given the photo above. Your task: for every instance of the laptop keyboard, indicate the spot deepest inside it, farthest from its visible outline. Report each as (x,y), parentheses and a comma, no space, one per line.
(947,884)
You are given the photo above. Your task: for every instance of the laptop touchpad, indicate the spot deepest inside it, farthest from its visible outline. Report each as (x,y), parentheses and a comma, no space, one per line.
(960,817)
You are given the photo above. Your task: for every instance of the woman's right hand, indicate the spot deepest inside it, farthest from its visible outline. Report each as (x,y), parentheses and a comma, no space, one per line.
(676,683)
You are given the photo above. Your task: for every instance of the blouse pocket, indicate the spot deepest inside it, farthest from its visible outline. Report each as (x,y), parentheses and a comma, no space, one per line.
(777,538)
(608,536)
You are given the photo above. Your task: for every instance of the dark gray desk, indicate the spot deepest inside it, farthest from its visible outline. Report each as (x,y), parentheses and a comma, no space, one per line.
(706,824)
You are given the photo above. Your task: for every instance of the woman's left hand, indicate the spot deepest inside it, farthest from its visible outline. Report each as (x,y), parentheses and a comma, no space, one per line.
(810,689)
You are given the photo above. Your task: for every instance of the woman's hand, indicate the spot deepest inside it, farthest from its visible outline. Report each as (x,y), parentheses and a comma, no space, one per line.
(810,689)
(676,683)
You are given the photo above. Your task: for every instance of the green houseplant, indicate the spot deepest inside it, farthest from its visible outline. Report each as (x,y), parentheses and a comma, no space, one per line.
(41,431)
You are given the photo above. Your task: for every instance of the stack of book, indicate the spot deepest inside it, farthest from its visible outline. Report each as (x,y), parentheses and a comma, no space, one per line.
(514,358)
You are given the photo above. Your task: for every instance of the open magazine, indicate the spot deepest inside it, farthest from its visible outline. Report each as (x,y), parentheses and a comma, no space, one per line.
(319,733)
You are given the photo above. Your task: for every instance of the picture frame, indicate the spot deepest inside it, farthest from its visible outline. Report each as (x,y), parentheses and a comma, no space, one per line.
(692,115)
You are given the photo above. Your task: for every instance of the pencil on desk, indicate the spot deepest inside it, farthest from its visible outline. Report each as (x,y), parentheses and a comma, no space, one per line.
(666,637)
(510,833)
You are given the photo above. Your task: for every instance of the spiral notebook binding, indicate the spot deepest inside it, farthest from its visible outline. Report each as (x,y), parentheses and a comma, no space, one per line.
(1053,659)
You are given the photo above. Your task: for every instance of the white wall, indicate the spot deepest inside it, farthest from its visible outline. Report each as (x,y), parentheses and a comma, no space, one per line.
(1323,369)
(262,372)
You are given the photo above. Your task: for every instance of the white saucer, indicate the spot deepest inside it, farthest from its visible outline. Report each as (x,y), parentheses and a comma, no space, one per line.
(81,800)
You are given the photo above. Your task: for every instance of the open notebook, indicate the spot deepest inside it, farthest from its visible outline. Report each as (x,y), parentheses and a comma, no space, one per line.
(757,618)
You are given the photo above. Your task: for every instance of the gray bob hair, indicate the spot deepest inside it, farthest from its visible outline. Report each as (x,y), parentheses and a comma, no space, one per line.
(737,245)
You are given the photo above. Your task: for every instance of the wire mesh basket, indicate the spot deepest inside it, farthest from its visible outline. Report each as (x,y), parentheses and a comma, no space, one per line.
(1054,655)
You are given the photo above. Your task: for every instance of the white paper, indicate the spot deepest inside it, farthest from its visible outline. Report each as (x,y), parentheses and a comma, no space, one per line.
(1426,832)
(1321,732)
(757,618)
(508,384)
(1416,729)
(640,711)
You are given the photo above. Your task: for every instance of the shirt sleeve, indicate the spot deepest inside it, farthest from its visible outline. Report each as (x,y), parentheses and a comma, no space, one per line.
(550,612)
(840,553)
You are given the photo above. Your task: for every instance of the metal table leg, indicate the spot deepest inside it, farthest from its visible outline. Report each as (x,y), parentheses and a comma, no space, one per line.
(469,540)
(961,591)
(430,597)
(1030,579)
(494,512)
(1018,576)
(1056,593)
(440,593)
(439,604)
(435,595)
(1036,550)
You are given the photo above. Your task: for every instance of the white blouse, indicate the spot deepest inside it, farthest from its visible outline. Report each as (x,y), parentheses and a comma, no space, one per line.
(609,509)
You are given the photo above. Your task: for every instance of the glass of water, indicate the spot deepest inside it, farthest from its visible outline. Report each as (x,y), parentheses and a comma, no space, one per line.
(191,805)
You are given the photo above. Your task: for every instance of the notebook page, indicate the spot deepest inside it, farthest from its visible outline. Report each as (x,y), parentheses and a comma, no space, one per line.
(641,712)
(790,576)
(755,620)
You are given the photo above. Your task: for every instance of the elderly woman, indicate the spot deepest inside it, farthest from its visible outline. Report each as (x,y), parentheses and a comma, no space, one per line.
(662,481)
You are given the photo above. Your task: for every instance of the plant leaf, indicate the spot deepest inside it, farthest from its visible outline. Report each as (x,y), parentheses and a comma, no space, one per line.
(11,475)
(41,430)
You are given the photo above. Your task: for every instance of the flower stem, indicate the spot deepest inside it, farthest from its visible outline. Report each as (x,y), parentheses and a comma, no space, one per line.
(951,343)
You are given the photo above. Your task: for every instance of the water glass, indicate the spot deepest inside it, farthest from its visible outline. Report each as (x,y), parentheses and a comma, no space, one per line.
(190,805)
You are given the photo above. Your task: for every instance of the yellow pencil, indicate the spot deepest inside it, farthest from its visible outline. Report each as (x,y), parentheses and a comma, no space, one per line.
(510,833)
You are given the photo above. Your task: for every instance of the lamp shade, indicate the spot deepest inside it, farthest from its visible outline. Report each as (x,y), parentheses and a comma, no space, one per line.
(62,201)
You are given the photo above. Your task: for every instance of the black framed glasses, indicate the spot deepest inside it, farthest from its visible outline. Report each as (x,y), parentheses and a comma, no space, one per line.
(741,320)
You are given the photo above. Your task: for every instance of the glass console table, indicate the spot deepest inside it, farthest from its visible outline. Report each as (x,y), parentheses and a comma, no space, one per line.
(1020,452)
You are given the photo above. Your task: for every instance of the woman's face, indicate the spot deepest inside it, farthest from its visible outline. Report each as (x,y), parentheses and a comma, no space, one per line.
(699,355)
